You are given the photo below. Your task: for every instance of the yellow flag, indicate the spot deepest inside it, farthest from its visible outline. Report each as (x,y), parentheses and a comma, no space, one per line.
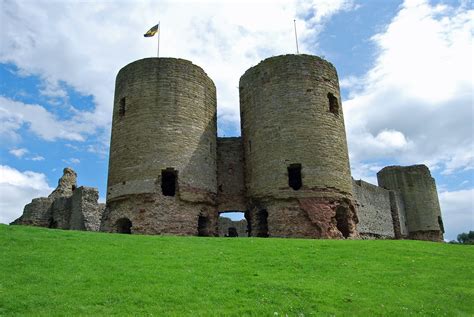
(151,32)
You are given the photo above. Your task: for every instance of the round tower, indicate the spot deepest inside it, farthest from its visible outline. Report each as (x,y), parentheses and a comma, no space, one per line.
(418,191)
(296,159)
(162,165)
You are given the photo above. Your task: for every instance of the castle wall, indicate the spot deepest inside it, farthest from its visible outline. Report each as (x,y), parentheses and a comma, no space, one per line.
(230,174)
(418,191)
(67,207)
(164,121)
(296,159)
(374,211)
(286,119)
(85,211)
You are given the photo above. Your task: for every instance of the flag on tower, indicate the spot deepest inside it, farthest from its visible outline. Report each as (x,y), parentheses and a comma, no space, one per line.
(151,32)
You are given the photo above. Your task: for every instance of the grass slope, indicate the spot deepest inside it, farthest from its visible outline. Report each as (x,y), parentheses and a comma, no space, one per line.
(53,272)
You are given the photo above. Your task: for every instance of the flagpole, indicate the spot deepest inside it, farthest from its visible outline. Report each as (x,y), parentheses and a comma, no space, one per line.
(296,37)
(159,35)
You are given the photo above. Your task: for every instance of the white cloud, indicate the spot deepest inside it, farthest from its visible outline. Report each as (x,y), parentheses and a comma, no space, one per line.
(72,160)
(225,38)
(17,189)
(18,152)
(40,121)
(37,158)
(458,212)
(415,104)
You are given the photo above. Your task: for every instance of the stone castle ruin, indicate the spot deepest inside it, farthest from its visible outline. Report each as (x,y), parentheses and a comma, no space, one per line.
(288,173)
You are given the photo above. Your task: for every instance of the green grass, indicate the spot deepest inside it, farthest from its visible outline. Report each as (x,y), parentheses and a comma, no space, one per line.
(53,272)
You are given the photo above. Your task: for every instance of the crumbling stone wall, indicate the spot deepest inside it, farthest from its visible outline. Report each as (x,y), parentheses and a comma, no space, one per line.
(67,207)
(164,121)
(418,191)
(374,211)
(292,123)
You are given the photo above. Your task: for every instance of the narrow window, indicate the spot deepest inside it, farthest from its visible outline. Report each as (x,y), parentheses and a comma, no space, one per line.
(124,225)
(294,176)
(342,221)
(203,226)
(122,107)
(262,221)
(440,223)
(333,104)
(168,182)
(250,146)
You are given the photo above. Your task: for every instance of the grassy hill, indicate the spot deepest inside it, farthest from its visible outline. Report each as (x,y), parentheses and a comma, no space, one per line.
(47,272)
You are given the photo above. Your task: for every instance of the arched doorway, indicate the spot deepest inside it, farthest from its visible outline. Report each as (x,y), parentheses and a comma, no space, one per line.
(124,225)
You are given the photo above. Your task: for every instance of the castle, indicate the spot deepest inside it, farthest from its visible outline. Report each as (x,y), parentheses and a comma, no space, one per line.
(288,173)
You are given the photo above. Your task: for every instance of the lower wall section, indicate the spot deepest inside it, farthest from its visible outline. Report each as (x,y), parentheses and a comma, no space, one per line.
(373,210)
(303,218)
(158,214)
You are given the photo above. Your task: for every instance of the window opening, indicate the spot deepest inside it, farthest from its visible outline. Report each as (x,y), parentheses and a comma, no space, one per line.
(122,107)
(440,223)
(168,182)
(294,176)
(333,104)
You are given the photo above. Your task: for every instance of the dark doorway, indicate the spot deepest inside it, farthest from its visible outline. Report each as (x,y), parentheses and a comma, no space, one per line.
(233,224)
(294,176)
(262,223)
(168,181)
(203,226)
(124,225)
(342,221)
(232,232)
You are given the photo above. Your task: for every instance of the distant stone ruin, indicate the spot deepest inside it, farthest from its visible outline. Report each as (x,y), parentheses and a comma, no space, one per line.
(67,207)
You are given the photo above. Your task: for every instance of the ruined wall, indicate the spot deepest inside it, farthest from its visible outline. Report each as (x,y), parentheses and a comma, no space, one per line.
(292,122)
(164,117)
(67,207)
(418,191)
(230,174)
(373,211)
(85,211)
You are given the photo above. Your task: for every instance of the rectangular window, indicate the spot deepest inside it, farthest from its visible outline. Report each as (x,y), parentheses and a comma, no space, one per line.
(169,179)
(294,176)
(122,107)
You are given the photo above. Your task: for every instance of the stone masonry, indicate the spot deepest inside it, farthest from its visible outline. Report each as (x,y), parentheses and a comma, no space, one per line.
(288,173)
(67,207)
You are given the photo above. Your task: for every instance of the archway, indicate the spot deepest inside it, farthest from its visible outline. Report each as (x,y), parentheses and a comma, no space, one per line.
(124,225)
(233,223)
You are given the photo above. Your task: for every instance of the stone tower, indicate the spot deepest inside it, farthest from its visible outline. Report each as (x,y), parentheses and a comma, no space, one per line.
(418,190)
(162,165)
(297,173)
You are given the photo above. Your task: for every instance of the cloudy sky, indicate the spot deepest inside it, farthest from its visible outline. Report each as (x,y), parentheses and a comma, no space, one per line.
(405,68)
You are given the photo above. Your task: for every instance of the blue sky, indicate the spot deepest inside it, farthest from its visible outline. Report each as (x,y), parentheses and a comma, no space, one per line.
(405,69)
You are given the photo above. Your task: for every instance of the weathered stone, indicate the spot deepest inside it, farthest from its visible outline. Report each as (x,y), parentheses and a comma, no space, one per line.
(418,190)
(67,207)
(37,213)
(85,211)
(66,184)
